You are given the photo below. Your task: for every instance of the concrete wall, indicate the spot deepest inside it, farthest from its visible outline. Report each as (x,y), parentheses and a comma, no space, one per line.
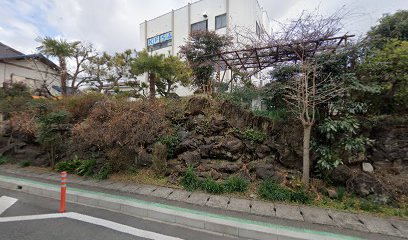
(31,72)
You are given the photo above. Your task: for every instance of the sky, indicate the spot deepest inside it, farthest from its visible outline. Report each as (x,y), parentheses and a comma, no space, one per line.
(113,25)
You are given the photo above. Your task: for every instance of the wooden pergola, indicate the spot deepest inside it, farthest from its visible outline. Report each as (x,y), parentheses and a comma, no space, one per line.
(253,60)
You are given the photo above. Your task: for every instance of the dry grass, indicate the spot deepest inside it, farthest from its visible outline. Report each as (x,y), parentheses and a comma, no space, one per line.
(145,176)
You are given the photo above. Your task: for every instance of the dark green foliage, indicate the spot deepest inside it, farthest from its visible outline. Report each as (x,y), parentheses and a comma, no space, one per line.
(211,186)
(390,26)
(3,160)
(338,138)
(164,72)
(68,166)
(277,115)
(341,191)
(383,64)
(49,134)
(369,206)
(223,87)
(386,68)
(272,191)
(14,97)
(242,95)
(199,51)
(190,180)
(301,196)
(87,167)
(284,72)
(159,158)
(171,142)
(103,173)
(252,135)
(236,184)
(25,164)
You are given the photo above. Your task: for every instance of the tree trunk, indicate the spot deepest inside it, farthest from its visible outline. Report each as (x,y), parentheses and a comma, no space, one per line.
(307,128)
(168,88)
(63,76)
(152,85)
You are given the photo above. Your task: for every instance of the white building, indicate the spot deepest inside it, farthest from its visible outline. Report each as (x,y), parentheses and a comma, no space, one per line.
(35,70)
(166,33)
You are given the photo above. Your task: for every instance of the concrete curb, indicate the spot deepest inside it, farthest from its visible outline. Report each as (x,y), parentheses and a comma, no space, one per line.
(170,214)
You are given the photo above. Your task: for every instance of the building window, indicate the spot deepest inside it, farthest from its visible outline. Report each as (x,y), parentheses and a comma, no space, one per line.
(199,26)
(220,21)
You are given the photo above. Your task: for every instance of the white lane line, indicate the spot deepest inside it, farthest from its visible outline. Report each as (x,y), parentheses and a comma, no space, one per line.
(32,217)
(120,227)
(96,221)
(6,202)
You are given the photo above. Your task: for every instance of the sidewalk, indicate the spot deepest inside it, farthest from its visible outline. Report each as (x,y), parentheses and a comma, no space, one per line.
(304,216)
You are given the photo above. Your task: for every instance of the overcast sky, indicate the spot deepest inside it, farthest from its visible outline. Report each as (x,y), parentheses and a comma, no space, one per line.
(113,25)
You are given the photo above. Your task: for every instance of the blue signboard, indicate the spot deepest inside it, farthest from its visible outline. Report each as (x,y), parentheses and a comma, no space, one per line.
(159,39)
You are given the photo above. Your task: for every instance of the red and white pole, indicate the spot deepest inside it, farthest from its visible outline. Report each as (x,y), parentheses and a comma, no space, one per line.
(63,191)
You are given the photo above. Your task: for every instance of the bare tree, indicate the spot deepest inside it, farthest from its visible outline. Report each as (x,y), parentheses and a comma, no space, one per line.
(97,71)
(309,88)
(83,53)
(303,94)
(47,77)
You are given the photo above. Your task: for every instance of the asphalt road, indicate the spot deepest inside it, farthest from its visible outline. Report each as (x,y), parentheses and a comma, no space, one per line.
(62,228)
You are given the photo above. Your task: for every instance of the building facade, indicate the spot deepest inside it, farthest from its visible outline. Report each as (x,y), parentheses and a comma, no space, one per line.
(36,71)
(166,33)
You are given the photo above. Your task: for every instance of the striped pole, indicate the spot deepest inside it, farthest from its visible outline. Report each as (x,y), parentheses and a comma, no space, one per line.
(63,191)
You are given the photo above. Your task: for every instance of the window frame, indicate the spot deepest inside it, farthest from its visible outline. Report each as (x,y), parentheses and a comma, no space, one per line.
(206,26)
(221,17)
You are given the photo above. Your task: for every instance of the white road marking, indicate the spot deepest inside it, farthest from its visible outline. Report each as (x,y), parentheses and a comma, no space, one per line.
(120,227)
(96,221)
(32,217)
(6,202)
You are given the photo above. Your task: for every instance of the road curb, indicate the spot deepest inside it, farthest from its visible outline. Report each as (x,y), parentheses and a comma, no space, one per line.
(192,218)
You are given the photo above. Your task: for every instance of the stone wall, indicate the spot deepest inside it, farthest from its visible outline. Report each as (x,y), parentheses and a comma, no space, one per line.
(391,141)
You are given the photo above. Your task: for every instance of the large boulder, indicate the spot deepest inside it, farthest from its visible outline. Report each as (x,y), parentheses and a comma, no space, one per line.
(228,148)
(220,166)
(218,124)
(229,167)
(232,144)
(190,158)
(191,143)
(269,172)
(364,185)
(341,174)
(196,105)
(390,137)
(289,145)
(262,151)
(143,159)
(264,171)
